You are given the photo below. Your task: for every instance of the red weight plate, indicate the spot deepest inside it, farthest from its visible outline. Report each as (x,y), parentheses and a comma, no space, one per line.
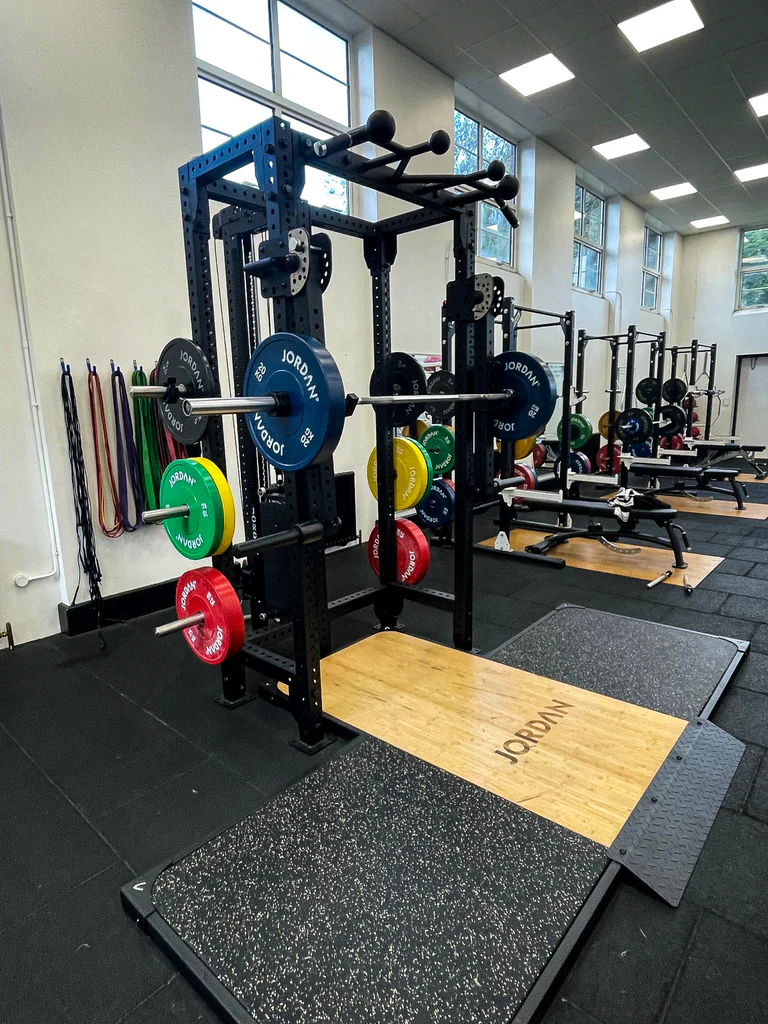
(695,433)
(602,459)
(695,416)
(539,455)
(222,634)
(413,552)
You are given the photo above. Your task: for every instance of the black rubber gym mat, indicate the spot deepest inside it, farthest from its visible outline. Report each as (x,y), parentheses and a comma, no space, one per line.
(665,668)
(377,889)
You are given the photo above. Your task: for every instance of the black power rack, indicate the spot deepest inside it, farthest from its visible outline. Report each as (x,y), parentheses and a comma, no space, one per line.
(276,210)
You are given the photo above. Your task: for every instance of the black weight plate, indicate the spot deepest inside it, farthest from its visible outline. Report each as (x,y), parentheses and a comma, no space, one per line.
(645,391)
(674,390)
(441,382)
(634,426)
(182,362)
(402,375)
(675,419)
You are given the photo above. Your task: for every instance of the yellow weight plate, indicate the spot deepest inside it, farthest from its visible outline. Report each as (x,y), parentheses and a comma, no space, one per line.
(421,426)
(412,475)
(227,503)
(604,422)
(422,453)
(524,447)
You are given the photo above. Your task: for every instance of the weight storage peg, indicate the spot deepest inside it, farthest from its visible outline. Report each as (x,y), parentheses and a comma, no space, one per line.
(295,404)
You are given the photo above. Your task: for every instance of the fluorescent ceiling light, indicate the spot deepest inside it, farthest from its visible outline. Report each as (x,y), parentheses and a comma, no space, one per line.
(537,74)
(685,188)
(661,24)
(710,222)
(621,147)
(760,104)
(750,173)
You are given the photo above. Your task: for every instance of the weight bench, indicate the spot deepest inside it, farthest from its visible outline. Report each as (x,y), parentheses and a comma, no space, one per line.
(702,478)
(645,508)
(714,452)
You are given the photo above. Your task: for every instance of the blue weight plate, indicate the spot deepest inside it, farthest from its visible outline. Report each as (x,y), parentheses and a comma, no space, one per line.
(644,450)
(308,431)
(436,510)
(534,395)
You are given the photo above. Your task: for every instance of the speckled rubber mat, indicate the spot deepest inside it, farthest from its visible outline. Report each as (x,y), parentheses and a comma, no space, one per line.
(647,663)
(381,890)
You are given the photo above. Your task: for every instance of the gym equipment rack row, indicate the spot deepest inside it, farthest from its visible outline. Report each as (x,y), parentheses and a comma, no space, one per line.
(295,589)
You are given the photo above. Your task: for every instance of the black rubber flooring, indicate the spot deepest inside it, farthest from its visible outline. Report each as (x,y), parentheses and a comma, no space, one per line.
(113,759)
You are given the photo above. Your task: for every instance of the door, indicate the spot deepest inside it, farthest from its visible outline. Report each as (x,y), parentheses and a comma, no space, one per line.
(750,420)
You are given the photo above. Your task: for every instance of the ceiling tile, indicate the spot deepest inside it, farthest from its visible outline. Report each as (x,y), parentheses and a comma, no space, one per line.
(508,49)
(697,76)
(741,30)
(522,9)
(463,25)
(423,41)
(750,68)
(595,51)
(622,74)
(425,8)
(511,103)
(393,17)
(569,23)
(466,69)
(575,104)
(713,11)
(603,131)
(626,101)
(665,115)
(686,51)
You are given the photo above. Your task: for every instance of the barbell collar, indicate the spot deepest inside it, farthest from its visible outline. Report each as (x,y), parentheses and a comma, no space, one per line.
(180,624)
(159,515)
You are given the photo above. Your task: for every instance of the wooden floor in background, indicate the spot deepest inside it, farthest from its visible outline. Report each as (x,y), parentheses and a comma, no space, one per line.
(570,755)
(582,553)
(750,478)
(716,507)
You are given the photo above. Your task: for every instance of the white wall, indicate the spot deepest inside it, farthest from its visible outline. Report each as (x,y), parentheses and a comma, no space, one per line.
(707,309)
(100,108)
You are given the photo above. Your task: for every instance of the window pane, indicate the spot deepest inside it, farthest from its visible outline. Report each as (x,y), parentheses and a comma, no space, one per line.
(465,143)
(592,221)
(754,289)
(576,251)
(312,43)
(589,274)
(313,89)
(578,206)
(754,248)
(226,111)
(652,256)
(252,15)
(495,234)
(320,187)
(496,148)
(230,49)
(650,289)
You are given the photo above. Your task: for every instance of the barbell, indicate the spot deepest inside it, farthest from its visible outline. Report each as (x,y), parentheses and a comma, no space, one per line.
(295,403)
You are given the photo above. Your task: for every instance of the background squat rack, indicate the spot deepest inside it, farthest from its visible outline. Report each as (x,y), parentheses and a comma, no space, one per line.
(297,594)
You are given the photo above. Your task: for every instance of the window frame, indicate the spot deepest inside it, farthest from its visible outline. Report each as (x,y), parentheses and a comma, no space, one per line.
(583,242)
(279,104)
(482,126)
(649,271)
(741,271)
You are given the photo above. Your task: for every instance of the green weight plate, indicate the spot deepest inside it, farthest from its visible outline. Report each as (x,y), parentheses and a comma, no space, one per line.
(187,482)
(581,430)
(440,442)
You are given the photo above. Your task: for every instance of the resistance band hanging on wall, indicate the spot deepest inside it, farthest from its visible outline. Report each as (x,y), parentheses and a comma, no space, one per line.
(146,444)
(87,561)
(101,446)
(129,484)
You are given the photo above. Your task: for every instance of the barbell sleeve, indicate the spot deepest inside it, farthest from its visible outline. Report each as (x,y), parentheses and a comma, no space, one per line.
(159,515)
(179,624)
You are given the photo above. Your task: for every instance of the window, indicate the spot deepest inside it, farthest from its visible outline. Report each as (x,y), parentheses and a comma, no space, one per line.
(259,57)
(474,147)
(753,270)
(588,230)
(651,268)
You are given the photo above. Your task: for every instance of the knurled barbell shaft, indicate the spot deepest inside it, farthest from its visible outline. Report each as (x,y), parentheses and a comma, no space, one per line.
(153,390)
(224,406)
(159,515)
(179,624)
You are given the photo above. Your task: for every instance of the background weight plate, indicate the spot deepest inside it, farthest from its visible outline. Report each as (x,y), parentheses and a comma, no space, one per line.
(675,442)
(539,455)
(428,460)
(581,430)
(603,424)
(437,507)
(645,392)
(674,390)
(223,632)
(641,450)
(524,447)
(306,371)
(401,375)
(184,362)
(633,426)
(694,417)
(676,417)
(440,443)
(187,482)
(413,553)
(227,504)
(602,459)
(441,382)
(582,461)
(534,395)
(695,433)
(412,473)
